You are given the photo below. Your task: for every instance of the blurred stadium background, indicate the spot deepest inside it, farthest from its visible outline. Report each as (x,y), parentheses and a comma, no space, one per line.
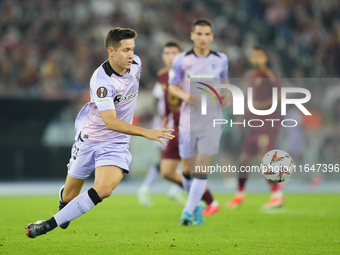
(49,49)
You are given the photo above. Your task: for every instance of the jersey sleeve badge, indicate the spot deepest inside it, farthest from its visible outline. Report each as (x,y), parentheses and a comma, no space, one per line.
(101,92)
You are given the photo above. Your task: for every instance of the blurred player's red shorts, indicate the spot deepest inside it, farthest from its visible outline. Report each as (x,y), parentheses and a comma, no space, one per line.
(255,143)
(171,151)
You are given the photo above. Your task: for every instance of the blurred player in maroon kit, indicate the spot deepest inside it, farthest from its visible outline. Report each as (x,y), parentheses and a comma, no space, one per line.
(159,91)
(260,140)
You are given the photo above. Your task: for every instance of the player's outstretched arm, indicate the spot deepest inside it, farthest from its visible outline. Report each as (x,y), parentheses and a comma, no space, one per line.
(185,96)
(113,123)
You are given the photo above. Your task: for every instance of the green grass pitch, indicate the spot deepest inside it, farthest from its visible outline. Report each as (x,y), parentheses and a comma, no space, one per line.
(309,224)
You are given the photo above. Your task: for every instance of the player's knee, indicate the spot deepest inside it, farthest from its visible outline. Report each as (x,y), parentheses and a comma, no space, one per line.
(104,192)
(186,166)
(186,170)
(166,174)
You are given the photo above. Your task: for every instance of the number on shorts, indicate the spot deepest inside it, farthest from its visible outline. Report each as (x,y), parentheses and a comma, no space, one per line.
(75,152)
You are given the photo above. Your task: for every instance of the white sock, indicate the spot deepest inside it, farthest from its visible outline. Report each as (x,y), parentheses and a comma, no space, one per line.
(186,184)
(151,176)
(240,193)
(276,194)
(195,194)
(214,203)
(78,206)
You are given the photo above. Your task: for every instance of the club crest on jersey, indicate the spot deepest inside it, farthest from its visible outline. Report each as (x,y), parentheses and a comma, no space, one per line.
(120,98)
(101,92)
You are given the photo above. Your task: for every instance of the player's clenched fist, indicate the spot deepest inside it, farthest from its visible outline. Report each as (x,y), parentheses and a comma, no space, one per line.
(157,134)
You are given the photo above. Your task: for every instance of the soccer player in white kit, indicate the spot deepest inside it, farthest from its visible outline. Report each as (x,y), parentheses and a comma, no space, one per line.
(198,62)
(103,131)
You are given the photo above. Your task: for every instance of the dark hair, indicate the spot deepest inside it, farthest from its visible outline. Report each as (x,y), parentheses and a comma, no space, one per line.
(116,34)
(201,22)
(172,44)
(260,48)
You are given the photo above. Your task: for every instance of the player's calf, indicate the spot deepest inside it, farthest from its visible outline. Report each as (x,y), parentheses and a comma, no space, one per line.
(168,170)
(62,204)
(168,175)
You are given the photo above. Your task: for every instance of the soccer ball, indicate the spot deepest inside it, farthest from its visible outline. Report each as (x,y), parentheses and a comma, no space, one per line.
(277,165)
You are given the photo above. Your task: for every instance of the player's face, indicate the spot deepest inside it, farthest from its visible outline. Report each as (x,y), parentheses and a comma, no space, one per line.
(202,36)
(123,55)
(169,54)
(258,59)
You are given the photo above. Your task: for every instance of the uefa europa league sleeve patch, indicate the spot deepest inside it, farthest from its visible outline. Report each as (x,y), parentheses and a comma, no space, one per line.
(101,92)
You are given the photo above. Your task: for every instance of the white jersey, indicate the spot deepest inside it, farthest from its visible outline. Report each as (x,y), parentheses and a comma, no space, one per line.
(109,90)
(187,66)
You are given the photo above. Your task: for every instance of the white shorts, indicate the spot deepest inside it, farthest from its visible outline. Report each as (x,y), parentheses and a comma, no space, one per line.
(207,143)
(85,157)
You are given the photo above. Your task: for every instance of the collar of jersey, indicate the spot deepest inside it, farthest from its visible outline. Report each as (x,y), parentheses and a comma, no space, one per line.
(193,52)
(109,70)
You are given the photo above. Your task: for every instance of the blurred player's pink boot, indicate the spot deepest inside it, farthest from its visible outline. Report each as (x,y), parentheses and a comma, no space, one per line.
(211,209)
(276,200)
(315,182)
(239,197)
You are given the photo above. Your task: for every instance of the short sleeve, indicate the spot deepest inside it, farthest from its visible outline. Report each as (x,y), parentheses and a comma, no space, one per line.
(137,60)
(102,93)
(176,72)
